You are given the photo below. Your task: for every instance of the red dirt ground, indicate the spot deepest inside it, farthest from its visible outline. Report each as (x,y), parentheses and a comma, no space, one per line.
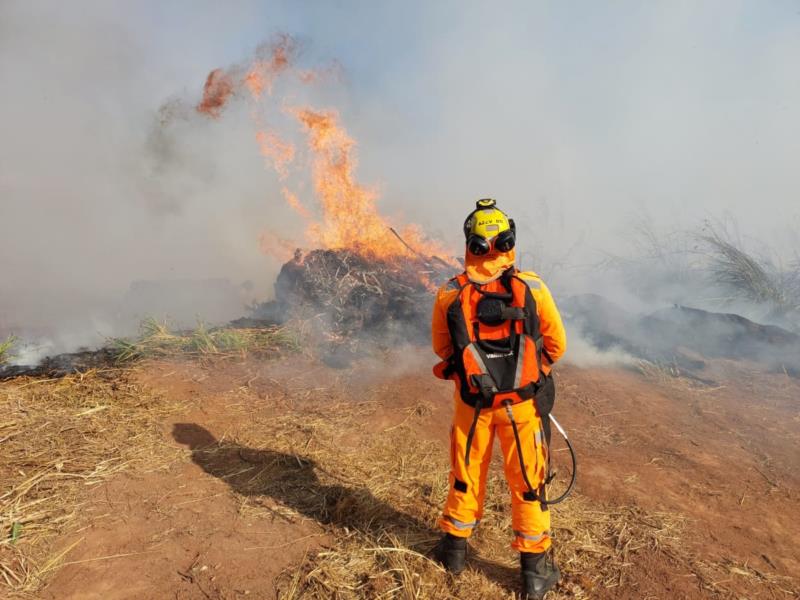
(724,457)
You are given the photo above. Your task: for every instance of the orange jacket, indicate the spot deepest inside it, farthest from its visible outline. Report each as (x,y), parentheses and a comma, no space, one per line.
(554,337)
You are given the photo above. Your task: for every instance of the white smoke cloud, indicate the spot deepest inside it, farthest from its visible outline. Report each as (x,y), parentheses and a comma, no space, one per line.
(577,118)
(92,198)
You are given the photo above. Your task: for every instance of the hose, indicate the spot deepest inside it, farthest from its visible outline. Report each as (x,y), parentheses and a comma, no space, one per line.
(563,433)
(510,414)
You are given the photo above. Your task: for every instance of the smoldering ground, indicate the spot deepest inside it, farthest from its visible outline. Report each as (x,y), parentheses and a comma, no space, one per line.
(577,119)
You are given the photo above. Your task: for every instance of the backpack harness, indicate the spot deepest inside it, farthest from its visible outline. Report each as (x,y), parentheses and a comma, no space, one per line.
(497,349)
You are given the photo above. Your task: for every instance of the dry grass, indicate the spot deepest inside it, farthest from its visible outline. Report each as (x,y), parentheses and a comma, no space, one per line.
(60,437)
(157,340)
(375,490)
(719,578)
(658,371)
(671,375)
(379,493)
(748,277)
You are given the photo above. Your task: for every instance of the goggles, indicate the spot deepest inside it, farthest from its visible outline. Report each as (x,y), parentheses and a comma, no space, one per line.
(502,242)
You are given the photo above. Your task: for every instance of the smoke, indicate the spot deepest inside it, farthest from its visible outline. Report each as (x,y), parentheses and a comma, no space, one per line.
(108,178)
(585,354)
(578,119)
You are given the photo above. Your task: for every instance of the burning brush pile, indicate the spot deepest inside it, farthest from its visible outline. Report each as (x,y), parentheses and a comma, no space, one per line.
(361,274)
(355,293)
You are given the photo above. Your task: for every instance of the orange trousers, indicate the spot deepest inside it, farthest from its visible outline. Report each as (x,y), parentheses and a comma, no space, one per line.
(464,507)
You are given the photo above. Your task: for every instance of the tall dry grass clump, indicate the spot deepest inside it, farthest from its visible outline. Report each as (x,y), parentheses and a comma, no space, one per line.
(747,277)
(757,279)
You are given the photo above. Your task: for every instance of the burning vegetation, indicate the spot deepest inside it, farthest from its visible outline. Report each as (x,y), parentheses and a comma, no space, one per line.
(361,272)
(356,293)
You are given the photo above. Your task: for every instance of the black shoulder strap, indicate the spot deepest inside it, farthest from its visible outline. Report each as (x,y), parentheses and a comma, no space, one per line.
(531,325)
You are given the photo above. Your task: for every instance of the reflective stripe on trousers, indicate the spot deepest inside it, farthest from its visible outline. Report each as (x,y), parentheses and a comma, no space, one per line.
(468,482)
(461,524)
(532,538)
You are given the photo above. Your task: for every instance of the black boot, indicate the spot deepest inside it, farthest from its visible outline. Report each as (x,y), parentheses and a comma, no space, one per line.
(451,551)
(540,574)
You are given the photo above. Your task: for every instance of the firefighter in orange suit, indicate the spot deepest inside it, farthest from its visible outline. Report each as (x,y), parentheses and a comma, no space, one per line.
(498,332)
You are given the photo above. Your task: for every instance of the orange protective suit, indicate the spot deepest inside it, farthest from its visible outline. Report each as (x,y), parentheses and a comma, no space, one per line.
(464,506)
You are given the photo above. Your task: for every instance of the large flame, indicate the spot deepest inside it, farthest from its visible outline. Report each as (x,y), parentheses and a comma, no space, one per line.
(350,218)
(348,215)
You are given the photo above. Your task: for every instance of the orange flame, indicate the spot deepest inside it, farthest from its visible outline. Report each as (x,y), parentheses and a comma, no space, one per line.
(293,201)
(256,82)
(279,247)
(216,91)
(261,76)
(278,151)
(272,60)
(350,218)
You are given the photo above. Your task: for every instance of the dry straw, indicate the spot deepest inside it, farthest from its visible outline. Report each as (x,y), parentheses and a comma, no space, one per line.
(59,438)
(375,492)
(378,493)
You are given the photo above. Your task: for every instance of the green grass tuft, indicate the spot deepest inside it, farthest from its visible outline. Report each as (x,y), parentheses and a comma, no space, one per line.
(5,349)
(156,340)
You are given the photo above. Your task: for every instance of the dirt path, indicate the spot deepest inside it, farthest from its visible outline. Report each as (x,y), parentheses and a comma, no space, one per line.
(726,458)
(177,532)
(194,529)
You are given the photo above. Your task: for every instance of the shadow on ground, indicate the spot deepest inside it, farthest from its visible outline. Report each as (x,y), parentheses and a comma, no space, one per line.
(291,479)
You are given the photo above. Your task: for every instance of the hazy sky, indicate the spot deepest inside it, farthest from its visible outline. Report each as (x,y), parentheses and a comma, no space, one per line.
(577,116)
